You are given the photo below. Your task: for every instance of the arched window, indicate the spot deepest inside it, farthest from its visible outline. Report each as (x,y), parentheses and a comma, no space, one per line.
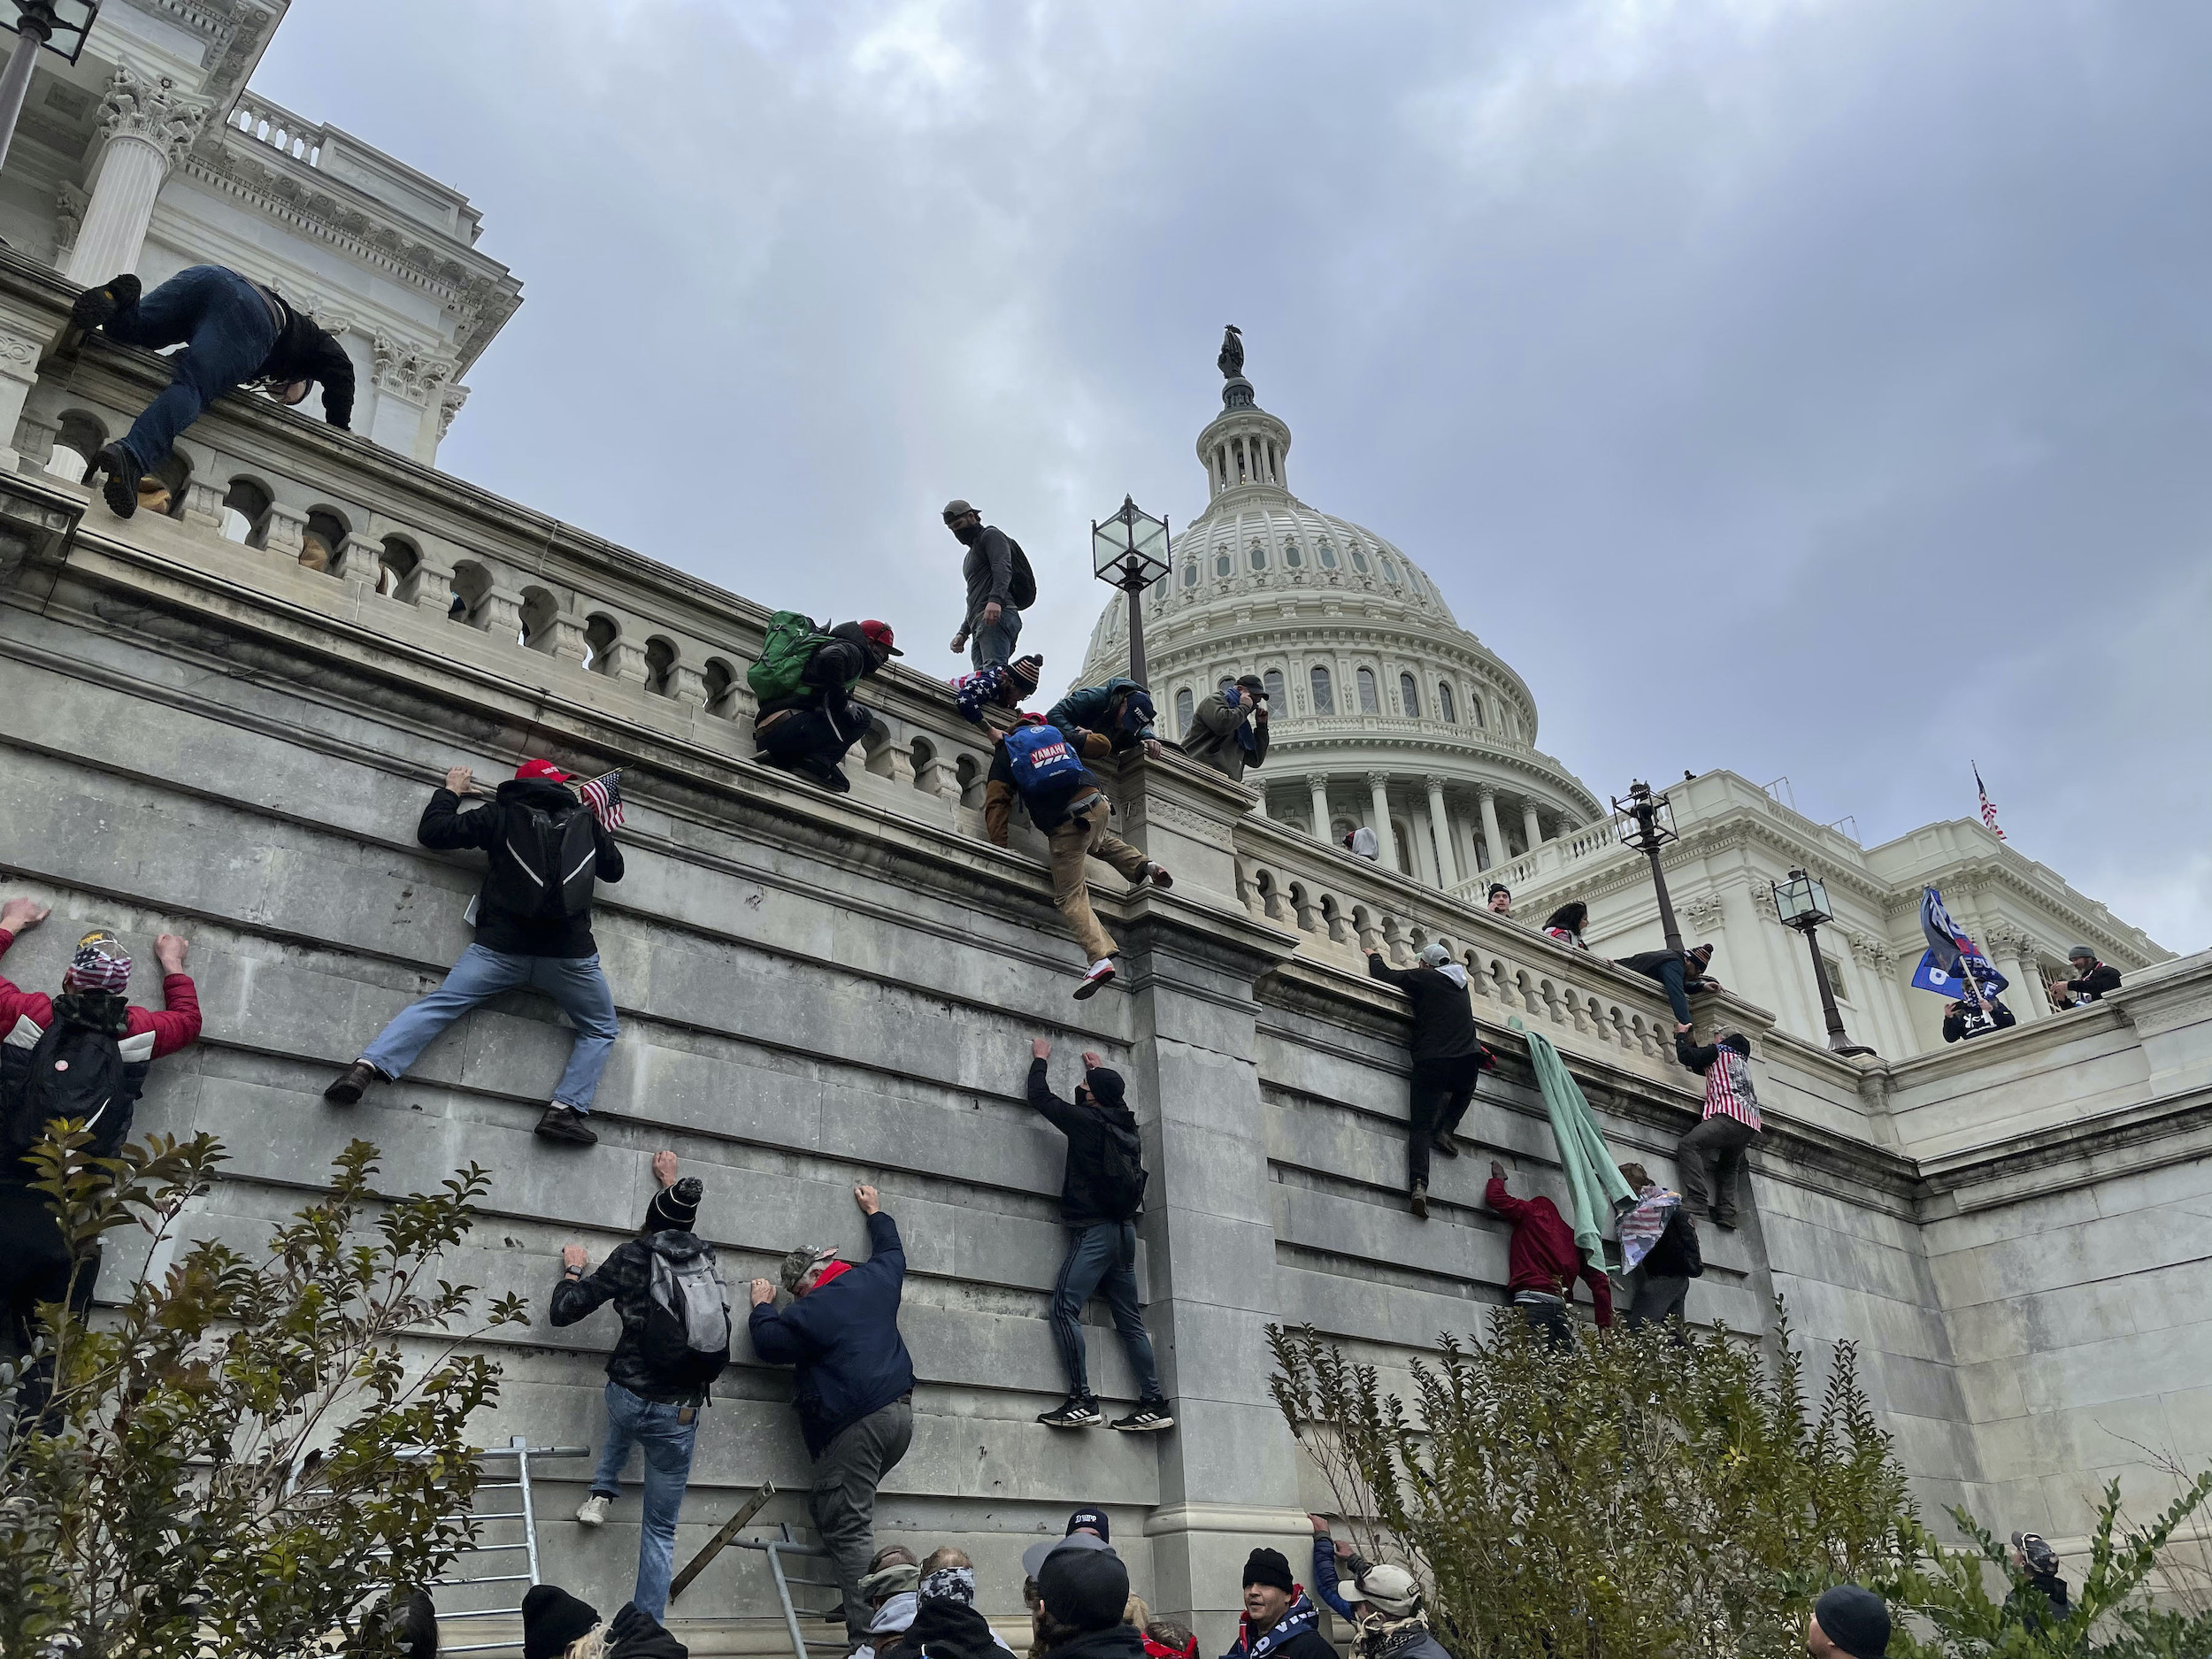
(1389,571)
(325,534)
(1190,572)
(396,561)
(1273,681)
(1369,703)
(718,677)
(245,512)
(1413,578)
(1444,704)
(470,582)
(1292,557)
(1328,555)
(660,661)
(1324,699)
(599,631)
(1223,564)
(1474,709)
(80,438)
(1182,708)
(1409,695)
(1258,554)
(1359,559)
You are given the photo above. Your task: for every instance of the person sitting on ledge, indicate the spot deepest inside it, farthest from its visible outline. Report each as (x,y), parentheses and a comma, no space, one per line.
(809,729)
(1543,1261)
(1681,972)
(532,927)
(2092,980)
(1964,1019)
(233,331)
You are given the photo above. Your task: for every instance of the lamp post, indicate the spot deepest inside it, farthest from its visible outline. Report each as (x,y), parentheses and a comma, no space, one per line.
(1129,550)
(36,24)
(1646,822)
(1803,902)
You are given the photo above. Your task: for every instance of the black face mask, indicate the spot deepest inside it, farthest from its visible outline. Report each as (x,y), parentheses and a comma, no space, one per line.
(969,533)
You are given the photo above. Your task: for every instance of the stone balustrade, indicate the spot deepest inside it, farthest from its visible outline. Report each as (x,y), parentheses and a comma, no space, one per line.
(277,127)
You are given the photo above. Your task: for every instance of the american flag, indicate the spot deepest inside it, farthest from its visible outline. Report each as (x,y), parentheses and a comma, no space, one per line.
(603,796)
(1989,813)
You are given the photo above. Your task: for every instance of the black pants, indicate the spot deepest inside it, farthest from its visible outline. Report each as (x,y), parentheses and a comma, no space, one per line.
(1442,1090)
(809,735)
(34,1268)
(1547,1318)
(1660,1298)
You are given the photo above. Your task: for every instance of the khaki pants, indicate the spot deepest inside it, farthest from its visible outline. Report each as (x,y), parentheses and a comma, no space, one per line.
(998,810)
(1073,843)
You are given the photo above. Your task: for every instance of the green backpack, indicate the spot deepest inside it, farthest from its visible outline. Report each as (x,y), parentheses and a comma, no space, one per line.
(792,641)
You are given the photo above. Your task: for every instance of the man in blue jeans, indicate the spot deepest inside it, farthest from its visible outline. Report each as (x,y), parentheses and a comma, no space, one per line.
(532,927)
(644,1409)
(1101,1188)
(233,331)
(1680,971)
(993,620)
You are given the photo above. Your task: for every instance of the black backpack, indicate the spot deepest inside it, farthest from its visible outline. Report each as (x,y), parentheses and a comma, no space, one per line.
(1021,582)
(75,1070)
(686,1341)
(543,865)
(1121,1173)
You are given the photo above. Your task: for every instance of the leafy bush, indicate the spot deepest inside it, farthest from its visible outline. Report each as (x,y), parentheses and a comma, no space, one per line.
(241,1458)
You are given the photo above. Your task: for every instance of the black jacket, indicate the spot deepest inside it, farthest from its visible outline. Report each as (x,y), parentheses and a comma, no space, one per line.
(1649,963)
(989,569)
(946,1629)
(2096,983)
(1677,1254)
(446,827)
(1443,1013)
(626,1277)
(1047,812)
(637,1634)
(1087,1128)
(1122,1642)
(1958,1022)
(306,352)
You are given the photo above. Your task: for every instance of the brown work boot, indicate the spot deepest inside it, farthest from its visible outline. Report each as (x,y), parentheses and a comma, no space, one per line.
(1445,1146)
(351,1082)
(1421,1201)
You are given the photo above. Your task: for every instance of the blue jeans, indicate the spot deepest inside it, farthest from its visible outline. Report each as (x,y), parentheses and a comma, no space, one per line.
(224,324)
(994,642)
(1671,975)
(573,982)
(667,1446)
(1102,1261)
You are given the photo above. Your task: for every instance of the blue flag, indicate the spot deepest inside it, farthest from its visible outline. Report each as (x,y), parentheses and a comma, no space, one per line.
(1951,955)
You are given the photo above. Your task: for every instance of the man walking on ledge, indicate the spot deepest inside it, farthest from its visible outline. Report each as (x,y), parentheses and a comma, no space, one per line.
(234,330)
(532,927)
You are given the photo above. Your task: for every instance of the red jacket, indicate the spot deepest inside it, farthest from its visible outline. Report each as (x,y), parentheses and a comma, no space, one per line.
(1543,1254)
(175,1027)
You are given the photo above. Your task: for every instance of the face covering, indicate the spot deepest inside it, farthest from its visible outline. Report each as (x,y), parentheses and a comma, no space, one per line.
(969,533)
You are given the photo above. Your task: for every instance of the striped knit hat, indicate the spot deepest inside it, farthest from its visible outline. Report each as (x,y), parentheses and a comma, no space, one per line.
(100,963)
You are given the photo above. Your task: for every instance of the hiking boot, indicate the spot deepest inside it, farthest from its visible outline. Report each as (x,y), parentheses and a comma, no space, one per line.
(1101,973)
(1724,1219)
(1150,1417)
(1156,875)
(593,1510)
(351,1082)
(95,306)
(1445,1146)
(1076,1413)
(565,1123)
(1421,1201)
(121,489)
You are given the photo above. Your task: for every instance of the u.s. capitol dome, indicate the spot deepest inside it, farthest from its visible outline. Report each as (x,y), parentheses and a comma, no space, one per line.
(1386,712)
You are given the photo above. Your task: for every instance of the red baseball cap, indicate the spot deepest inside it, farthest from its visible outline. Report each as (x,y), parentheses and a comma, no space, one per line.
(878,634)
(541,769)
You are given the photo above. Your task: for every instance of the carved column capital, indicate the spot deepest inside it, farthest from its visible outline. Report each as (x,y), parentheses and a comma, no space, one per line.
(412,371)
(153,111)
(1703,913)
(1378,779)
(1873,953)
(1434,784)
(1317,780)
(1486,793)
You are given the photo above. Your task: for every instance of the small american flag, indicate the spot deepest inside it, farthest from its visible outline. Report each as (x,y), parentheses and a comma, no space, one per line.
(1989,813)
(603,796)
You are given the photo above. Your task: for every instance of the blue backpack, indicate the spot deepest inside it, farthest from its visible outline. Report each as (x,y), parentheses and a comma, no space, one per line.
(1042,759)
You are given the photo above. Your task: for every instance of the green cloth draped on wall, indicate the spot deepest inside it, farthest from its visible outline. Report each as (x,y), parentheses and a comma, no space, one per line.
(1593,1179)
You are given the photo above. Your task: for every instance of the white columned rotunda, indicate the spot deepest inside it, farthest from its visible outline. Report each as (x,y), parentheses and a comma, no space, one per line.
(1386,712)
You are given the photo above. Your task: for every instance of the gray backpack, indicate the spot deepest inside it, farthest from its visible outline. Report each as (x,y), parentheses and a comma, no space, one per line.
(687,1320)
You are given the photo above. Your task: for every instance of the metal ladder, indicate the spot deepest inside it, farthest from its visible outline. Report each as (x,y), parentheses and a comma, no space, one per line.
(776,1548)
(525,1512)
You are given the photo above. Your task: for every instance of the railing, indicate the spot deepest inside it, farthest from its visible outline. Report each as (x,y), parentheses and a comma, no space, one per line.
(277,127)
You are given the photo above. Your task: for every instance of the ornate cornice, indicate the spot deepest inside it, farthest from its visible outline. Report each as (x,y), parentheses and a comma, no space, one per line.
(449,402)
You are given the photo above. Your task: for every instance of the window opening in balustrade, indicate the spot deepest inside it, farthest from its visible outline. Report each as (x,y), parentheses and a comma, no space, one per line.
(967,774)
(538,607)
(319,541)
(600,632)
(470,582)
(396,561)
(1410,694)
(175,473)
(1445,707)
(1184,707)
(77,440)
(1324,697)
(718,677)
(1369,704)
(246,512)
(660,664)
(922,754)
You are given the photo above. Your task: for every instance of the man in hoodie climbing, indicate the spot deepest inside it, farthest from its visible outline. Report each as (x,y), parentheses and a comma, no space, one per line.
(1040,762)
(1729,1124)
(1101,1189)
(1280,1620)
(666,1293)
(1543,1261)
(854,1388)
(809,731)
(1447,1057)
(546,849)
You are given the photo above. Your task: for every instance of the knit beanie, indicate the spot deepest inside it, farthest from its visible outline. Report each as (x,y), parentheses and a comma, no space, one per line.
(1022,673)
(1095,1520)
(1267,1566)
(1088,1588)
(1107,1089)
(552,1619)
(1855,1619)
(674,1208)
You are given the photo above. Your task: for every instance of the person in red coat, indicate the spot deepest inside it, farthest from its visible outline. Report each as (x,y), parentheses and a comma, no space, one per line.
(1543,1261)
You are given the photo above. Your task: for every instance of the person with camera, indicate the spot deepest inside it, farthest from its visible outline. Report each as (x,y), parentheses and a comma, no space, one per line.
(1229,730)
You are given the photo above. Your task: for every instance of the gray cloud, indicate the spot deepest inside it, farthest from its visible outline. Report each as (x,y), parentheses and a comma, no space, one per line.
(1834,373)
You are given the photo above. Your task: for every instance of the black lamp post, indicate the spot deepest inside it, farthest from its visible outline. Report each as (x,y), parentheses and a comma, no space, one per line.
(60,26)
(1646,822)
(1130,552)
(1803,902)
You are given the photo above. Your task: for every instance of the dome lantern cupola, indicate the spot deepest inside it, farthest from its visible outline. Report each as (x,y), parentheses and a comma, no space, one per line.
(1243,448)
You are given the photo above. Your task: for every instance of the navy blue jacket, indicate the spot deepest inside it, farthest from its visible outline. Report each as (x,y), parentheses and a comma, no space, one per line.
(844,1340)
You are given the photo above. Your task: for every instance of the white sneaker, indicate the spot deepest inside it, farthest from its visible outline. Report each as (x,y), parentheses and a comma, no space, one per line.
(1099,974)
(593,1511)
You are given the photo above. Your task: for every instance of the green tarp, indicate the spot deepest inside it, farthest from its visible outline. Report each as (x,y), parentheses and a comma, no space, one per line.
(1593,1181)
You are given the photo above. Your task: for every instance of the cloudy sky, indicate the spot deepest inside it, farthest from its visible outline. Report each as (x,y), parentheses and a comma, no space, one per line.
(1819,390)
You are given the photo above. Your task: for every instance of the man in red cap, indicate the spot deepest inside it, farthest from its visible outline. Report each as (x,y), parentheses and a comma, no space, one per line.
(809,731)
(533,921)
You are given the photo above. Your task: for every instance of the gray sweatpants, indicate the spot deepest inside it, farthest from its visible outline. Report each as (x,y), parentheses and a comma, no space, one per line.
(1723,1139)
(843,1502)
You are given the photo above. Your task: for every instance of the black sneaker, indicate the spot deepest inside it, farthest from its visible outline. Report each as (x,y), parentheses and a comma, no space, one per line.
(123,471)
(95,306)
(1724,1219)
(829,777)
(1076,1413)
(1150,1417)
(565,1123)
